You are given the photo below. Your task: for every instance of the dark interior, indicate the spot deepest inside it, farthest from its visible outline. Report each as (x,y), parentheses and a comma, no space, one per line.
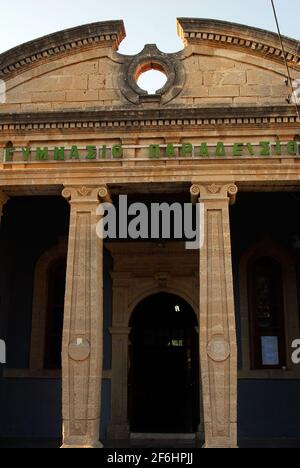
(164,370)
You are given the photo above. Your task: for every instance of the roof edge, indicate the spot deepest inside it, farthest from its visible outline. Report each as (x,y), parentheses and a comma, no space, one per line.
(112,32)
(257,40)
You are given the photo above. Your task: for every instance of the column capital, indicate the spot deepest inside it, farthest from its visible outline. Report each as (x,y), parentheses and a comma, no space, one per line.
(86,193)
(214,191)
(3,200)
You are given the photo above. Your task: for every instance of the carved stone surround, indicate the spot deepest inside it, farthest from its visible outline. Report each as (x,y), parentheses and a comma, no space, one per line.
(141,270)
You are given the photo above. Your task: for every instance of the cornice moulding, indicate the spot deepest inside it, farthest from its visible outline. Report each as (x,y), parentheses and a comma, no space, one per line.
(172,117)
(14,60)
(250,39)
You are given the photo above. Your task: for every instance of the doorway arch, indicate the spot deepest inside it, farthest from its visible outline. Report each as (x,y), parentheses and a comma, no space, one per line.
(163,383)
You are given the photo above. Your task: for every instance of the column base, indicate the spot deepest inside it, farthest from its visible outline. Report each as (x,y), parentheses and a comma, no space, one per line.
(83,445)
(214,442)
(226,444)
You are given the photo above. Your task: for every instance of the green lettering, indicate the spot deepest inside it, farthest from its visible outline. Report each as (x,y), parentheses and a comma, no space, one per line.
(250,149)
(8,155)
(117,151)
(91,152)
(170,151)
(186,149)
(104,152)
(278,148)
(59,154)
(42,154)
(265,148)
(154,151)
(238,149)
(220,149)
(292,148)
(204,151)
(74,154)
(26,154)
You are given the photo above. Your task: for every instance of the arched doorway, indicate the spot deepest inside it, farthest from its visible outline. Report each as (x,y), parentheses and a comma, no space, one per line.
(164,366)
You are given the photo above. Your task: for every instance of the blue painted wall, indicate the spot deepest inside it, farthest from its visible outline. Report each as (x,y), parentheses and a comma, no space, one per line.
(269,408)
(30,408)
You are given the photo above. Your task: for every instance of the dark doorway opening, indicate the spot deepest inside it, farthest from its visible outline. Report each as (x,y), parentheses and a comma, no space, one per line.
(164,367)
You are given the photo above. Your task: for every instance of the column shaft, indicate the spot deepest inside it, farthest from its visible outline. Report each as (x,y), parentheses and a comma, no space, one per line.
(82,354)
(218,346)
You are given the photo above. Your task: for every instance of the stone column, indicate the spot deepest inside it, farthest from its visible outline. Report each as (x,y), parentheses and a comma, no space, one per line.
(82,353)
(218,345)
(119,427)
(3,200)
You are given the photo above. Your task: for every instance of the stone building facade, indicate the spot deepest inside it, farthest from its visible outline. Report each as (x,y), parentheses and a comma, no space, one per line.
(77,130)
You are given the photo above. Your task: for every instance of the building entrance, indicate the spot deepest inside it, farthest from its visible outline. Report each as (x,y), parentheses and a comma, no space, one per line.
(164,366)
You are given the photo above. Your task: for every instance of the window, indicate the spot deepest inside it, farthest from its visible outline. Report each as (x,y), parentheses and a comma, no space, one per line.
(152,80)
(266,307)
(55,314)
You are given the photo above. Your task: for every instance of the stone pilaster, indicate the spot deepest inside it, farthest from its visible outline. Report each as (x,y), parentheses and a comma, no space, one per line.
(3,200)
(119,427)
(82,354)
(218,346)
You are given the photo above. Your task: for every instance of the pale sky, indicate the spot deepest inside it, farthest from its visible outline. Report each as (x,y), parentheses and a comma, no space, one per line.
(152,21)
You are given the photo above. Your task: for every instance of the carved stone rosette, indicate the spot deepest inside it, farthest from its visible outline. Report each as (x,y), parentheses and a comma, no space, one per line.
(82,353)
(218,347)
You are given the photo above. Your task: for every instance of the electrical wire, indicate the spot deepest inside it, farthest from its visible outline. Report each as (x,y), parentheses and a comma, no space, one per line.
(290,80)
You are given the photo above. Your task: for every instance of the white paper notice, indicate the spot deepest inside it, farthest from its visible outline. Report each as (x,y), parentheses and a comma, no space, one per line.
(270,350)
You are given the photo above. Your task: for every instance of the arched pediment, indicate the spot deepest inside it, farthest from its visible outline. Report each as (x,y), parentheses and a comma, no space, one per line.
(70,69)
(61,43)
(231,36)
(234,65)
(223,65)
